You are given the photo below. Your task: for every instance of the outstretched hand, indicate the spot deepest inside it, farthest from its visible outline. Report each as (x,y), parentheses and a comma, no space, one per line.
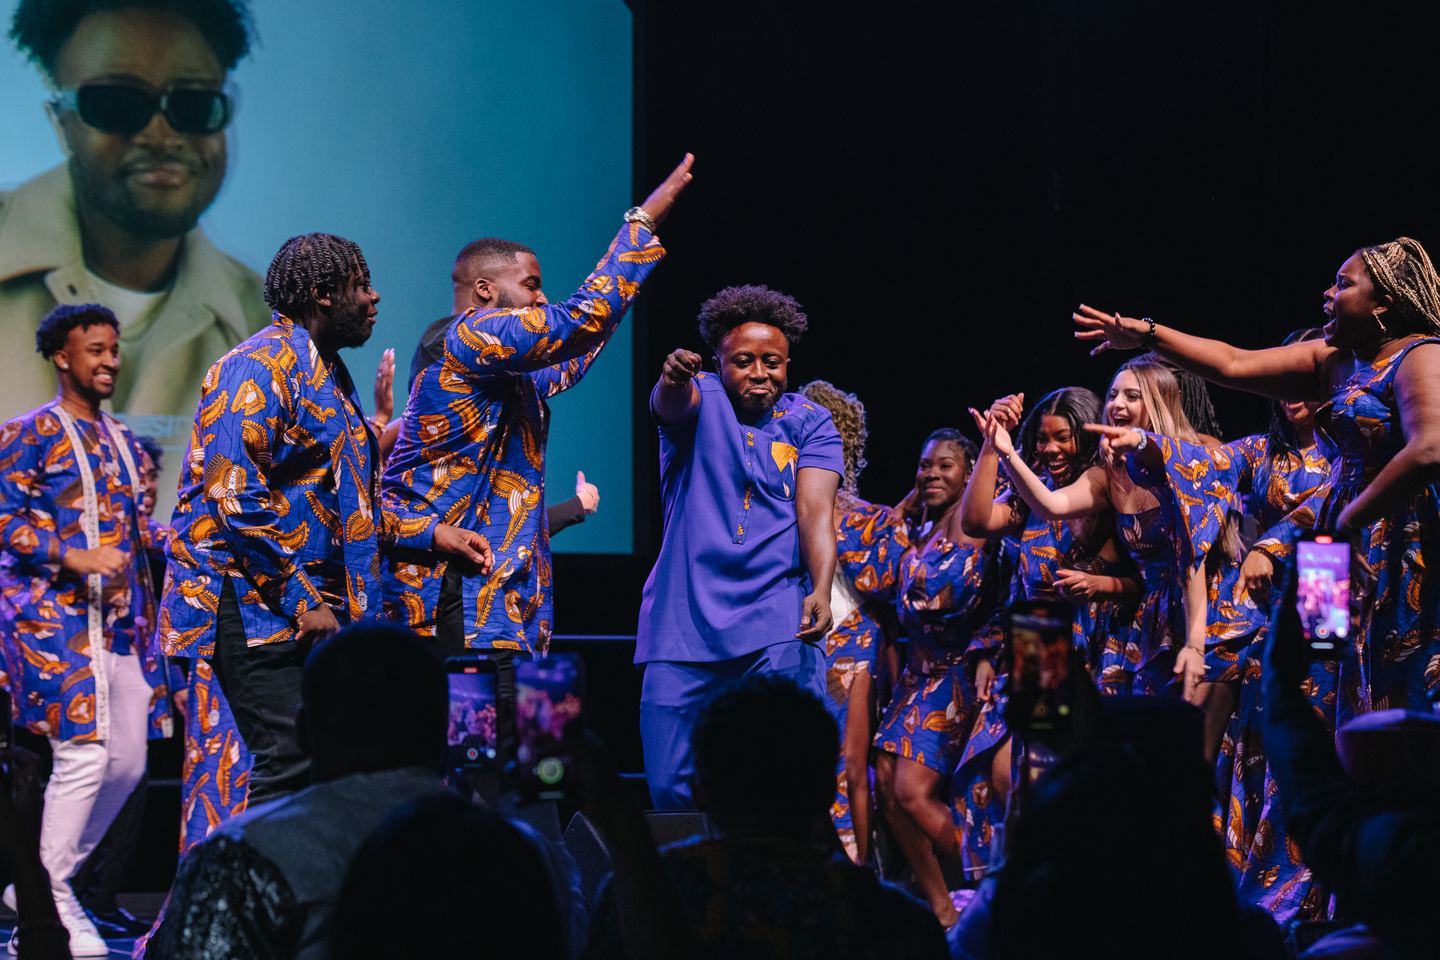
(662,198)
(680,367)
(1116,440)
(1113,331)
(994,434)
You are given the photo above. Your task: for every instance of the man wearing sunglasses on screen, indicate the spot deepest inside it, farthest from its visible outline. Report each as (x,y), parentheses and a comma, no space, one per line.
(140,109)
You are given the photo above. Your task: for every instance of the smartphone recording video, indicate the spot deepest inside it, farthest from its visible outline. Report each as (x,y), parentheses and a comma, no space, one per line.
(548,695)
(471,734)
(1040,639)
(1322,594)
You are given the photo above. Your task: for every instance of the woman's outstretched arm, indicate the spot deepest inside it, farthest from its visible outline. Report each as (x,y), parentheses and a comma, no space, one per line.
(1293,372)
(1086,496)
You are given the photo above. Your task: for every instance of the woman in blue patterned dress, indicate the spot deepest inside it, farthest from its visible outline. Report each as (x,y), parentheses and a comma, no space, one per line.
(1167,634)
(1078,561)
(947,595)
(1377,373)
(1274,473)
(860,650)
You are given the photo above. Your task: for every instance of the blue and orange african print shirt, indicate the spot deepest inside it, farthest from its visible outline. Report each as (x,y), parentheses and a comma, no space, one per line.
(51,502)
(281,488)
(472,448)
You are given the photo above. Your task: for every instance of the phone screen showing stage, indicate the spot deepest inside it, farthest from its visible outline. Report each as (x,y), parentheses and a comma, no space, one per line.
(1040,636)
(1322,593)
(471,730)
(548,695)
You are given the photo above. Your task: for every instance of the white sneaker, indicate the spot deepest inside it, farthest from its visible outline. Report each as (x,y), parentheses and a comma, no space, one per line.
(8,898)
(13,946)
(85,940)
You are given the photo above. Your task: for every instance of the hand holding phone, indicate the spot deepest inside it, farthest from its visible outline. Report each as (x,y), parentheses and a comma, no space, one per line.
(1042,687)
(1322,595)
(549,694)
(470,735)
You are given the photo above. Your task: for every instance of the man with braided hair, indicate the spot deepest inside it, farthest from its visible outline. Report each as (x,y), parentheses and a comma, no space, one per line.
(472,448)
(748,475)
(1378,372)
(279,525)
(140,110)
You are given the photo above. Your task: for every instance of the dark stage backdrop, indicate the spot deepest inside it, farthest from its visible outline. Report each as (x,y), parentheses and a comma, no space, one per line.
(940,184)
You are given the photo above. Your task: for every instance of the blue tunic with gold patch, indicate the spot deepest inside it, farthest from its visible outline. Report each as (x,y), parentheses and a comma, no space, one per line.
(729,579)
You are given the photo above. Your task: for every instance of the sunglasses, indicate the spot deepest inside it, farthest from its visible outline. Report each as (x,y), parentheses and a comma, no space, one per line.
(113,108)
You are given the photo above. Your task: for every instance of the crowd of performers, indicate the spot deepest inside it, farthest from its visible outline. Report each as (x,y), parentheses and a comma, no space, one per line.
(1130,507)
(297,516)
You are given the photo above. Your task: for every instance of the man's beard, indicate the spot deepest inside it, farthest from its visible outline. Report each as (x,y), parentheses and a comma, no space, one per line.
(350,325)
(110,197)
(502,301)
(755,407)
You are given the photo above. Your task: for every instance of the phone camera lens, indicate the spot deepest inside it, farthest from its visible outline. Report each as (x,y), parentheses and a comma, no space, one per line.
(550,770)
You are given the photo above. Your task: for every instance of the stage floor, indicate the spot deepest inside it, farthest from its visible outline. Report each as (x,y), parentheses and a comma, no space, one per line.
(144,906)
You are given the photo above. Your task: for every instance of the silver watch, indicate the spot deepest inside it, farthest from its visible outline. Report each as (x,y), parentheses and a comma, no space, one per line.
(638,215)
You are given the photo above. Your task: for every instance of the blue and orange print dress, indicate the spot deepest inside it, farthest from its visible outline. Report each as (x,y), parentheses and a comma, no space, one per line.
(868,548)
(947,596)
(1210,481)
(1395,660)
(1156,540)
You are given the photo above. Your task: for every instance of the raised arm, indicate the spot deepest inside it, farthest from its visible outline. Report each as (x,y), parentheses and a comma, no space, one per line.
(1293,372)
(675,398)
(981,514)
(527,340)
(1086,496)
(815,511)
(1417,465)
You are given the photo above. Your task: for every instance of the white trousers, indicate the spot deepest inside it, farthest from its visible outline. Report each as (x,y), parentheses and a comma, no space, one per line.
(91,780)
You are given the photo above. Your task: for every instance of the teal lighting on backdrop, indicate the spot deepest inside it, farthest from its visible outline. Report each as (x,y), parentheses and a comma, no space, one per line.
(412,129)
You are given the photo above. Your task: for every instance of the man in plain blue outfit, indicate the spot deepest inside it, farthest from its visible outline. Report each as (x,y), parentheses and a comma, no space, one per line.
(748,475)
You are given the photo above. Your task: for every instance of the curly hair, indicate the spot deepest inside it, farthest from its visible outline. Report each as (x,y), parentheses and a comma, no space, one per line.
(152,449)
(735,306)
(55,329)
(312,261)
(848,414)
(41,27)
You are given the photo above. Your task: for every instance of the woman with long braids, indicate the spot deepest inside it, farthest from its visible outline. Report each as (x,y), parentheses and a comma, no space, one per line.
(860,651)
(1167,635)
(946,597)
(1377,373)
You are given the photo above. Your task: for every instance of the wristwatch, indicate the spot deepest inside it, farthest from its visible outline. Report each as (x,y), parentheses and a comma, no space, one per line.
(638,215)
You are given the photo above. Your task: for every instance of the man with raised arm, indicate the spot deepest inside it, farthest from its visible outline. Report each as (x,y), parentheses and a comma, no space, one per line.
(472,450)
(279,525)
(748,475)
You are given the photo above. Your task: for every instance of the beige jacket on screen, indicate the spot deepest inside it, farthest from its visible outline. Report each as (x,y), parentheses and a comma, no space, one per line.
(214,303)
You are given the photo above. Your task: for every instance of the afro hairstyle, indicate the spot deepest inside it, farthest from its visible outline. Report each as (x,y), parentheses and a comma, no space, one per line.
(735,306)
(41,27)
